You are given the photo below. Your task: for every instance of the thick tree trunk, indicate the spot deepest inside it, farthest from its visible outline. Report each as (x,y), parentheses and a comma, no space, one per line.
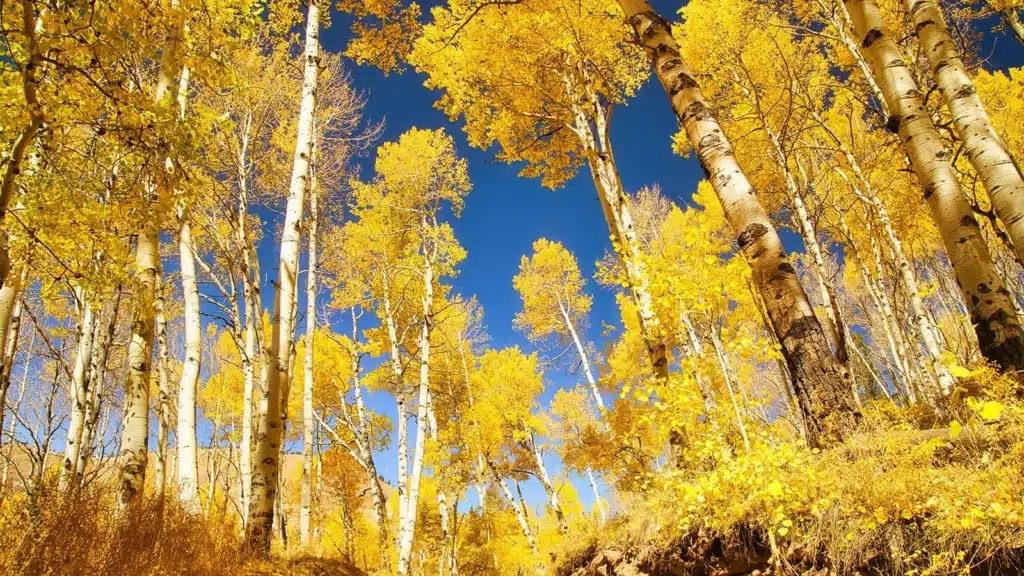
(135,429)
(11,303)
(80,388)
(988,302)
(163,403)
(816,375)
(185,436)
(135,426)
(984,148)
(268,439)
(307,390)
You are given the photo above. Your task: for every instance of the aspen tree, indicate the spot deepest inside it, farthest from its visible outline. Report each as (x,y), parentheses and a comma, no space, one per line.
(307,391)
(816,375)
(983,146)
(991,312)
(135,429)
(268,439)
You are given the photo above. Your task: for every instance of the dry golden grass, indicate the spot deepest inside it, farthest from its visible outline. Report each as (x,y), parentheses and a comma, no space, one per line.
(86,533)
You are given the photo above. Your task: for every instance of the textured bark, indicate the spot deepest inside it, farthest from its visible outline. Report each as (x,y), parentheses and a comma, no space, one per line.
(987,300)
(268,438)
(1011,20)
(185,436)
(29,85)
(984,148)
(839,19)
(135,427)
(816,376)
(306,494)
(80,388)
(163,403)
(11,303)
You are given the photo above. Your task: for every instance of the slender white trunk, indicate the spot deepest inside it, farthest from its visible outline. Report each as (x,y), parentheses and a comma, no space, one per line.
(11,305)
(307,391)
(517,507)
(135,427)
(97,376)
(729,377)
(163,403)
(591,381)
(185,436)
(549,487)
(407,527)
(268,439)
(79,388)
(598,501)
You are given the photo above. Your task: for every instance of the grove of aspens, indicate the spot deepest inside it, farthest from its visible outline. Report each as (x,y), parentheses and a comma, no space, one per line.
(512,287)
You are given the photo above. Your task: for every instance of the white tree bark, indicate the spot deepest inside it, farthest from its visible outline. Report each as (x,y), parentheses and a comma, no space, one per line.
(584,361)
(185,436)
(135,427)
(11,303)
(987,300)
(983,146)
(815,373)
(307,391)
(549,487)
(407,526)
(163,403)
(268,439)
(79,387)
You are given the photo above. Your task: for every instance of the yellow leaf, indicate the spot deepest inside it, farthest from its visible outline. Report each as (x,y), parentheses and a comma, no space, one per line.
(955,429)
(959,371)
(783,531)
(991,410)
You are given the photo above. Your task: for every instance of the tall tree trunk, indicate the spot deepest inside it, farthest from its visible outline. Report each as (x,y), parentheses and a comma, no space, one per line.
(376,490)
(268,439)
(730,377)
(253,325)
(988,302)
(29,85)
(407,527)
(984,148)
(80,387)
(135,427)
(598,501)
(839,18)
(307,391)
(1010,17)
(816,375)
(97,377)
(185,436)
(584,361)
(135,430)
(163,403)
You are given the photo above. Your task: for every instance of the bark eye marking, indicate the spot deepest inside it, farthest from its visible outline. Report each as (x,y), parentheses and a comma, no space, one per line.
(893,123)
(964,91)
(872,36)
(750,234)
(983,288)
(969,221)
